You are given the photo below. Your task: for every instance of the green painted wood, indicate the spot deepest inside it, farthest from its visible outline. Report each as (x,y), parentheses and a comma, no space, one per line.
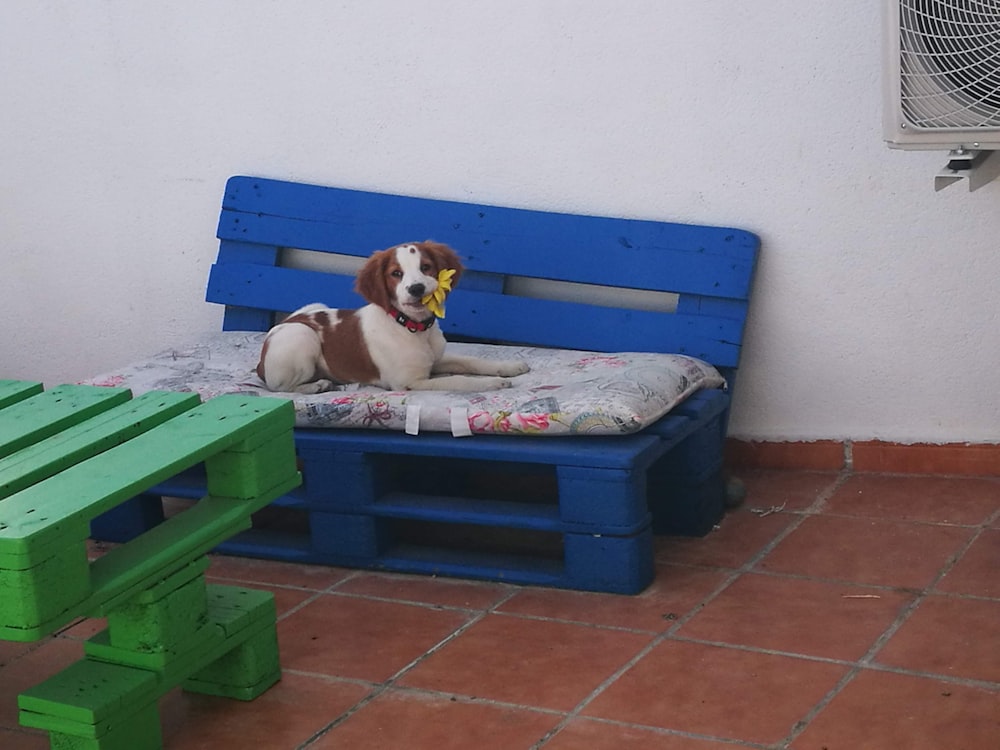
(81,441)
(24,560)
(72,455)
(47,413)
(245,474)
(166,587)
(235,654)
(138,731)
(90,691)
(245,672)
(99,648)
(12,391)
(125,571)
(36,600)
(225,629)
(164,617)
(51,510)
(235,608)
(256,614)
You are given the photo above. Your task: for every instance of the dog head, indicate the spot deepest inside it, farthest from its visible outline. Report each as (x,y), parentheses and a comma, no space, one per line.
(402,275)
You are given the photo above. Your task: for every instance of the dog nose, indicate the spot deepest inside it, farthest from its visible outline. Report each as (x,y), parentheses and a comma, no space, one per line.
(416,290)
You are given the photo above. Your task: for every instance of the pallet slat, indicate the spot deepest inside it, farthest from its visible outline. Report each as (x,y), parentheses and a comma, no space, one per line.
(39,515)
(45,414)
(12,391)
(492,316)
(81,441)
(468,510)
(620,452)
(612,251)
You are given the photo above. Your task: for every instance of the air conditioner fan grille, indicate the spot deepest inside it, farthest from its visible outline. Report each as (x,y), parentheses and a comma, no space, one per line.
(950,63)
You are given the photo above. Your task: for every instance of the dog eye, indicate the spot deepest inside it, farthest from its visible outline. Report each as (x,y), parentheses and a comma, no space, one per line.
(397,274)
(425,268)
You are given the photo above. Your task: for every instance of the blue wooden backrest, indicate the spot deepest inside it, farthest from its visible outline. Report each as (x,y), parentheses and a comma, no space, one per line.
(710,269)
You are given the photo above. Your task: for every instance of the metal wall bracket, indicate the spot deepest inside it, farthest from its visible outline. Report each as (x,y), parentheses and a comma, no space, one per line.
(978,167)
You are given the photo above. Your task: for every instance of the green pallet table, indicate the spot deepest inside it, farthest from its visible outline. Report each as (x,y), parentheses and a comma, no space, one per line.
(74,452)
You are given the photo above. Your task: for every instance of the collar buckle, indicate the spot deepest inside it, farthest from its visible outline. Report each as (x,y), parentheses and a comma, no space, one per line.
(411,325)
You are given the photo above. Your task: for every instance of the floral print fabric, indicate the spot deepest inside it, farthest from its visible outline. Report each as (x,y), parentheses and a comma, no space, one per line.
(566,392)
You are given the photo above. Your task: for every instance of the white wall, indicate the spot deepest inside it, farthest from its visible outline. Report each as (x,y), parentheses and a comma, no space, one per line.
(876,309)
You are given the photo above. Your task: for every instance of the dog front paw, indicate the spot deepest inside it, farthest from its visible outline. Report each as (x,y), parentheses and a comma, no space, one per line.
(484,383)
(316,386)
(512,369)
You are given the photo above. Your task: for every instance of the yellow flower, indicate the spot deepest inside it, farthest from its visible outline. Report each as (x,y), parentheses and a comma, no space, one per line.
(435,300)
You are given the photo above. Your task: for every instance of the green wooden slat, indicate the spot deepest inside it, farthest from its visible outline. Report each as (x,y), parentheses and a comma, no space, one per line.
(229,611)
(125,571)
(47,413)
(254,614)
(236,608)
(42,514)
(86,696)
(89,691)
(99,647)
(79,442)
(12,391)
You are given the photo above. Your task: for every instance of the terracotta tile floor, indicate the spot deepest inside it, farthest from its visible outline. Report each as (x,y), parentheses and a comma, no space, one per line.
(830,612)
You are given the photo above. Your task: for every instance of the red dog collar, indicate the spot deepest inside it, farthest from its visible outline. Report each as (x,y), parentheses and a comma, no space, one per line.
(411,325)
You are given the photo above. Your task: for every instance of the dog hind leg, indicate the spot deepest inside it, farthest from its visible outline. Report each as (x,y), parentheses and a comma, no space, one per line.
(291,361)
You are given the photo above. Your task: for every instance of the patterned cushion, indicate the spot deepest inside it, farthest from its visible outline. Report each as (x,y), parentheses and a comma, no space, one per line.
(566,392)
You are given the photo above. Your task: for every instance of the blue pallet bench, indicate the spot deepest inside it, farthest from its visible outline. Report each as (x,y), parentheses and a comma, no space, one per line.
(571,510)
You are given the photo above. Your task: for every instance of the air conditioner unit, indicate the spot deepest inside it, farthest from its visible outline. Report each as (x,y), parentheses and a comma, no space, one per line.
(942,82)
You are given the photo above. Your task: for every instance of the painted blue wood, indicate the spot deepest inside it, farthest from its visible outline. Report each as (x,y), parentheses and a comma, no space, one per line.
(275,288)
(247,319)
(278,289)
(496,317)
(481,566)
(322,204)
(609,494)
(248,252)
(696,410)
(468,510)
(711,267)
(603,499)
(624,452)
(475,281)
(613,500)
(584,256)
(622,565)
(572,325)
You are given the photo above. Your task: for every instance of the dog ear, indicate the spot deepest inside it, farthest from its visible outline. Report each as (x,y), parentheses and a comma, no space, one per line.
(370,282)
(444,257)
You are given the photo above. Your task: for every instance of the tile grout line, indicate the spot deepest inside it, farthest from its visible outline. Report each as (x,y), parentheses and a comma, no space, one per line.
(663,731)
(821,498)
(866,661)
(407,602)
(920,597)
(579,623)
(382,687)
(813,509)
(970,682)
(479,701)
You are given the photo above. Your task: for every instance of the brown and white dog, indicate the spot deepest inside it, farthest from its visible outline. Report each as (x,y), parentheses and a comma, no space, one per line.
(392,342)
